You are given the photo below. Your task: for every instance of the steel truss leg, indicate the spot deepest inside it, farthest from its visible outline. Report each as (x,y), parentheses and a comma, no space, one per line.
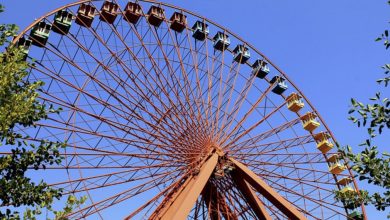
(179,206)
(254,202)
(270,194)
(216,203)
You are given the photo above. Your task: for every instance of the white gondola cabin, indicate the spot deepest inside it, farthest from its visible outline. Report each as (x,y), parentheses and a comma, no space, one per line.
(40,34)
(323,142)
(221,41)
(109,12)
(25,45)
(155,15)
(132,12)
(294,102)
(309,121)
(85,15)
(62,22)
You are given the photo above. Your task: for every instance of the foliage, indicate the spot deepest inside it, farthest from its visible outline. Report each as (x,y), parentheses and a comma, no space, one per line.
(19,107)
(371,165)
(71,203)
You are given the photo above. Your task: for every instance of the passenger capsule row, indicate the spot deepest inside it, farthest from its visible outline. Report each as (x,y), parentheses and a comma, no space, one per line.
(86,14)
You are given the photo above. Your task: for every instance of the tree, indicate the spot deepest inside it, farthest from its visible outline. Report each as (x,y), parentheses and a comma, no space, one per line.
(370,164)
(19,106)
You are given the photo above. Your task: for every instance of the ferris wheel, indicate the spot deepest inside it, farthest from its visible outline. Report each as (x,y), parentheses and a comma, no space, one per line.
(168,115)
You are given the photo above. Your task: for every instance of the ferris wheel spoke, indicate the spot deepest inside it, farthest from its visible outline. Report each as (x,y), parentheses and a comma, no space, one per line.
(197,63)
(306,178)
(162,193)
(242,95)
(270,148)
(187,83)
(262,135)
(106,105)
(226,94)
(98,184)
(320,203)
(118,198)
(253,107)
(159,70)
(101,64)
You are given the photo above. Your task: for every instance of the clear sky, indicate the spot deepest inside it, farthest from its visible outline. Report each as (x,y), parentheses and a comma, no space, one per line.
(326,47)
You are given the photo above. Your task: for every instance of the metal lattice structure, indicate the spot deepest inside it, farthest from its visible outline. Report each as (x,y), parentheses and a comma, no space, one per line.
(168,115)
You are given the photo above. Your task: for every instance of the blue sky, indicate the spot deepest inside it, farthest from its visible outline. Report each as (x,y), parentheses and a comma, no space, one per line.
(326,47)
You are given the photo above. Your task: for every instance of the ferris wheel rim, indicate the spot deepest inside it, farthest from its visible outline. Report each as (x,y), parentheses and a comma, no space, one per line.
(24,32)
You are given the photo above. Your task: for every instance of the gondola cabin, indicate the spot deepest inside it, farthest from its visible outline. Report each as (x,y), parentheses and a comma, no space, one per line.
(335,166)
(345,184)
(178,22)
(344,181)
(25,45)
(279,85)
(294,102)
(260,69)
(355,215)
(155,15)
(62,22)
(221,41)
(323,143)
(132,12)
(309,121)
(347,189)
(85,15)
(109,12)
(40,34)
(241,54)
(200,30)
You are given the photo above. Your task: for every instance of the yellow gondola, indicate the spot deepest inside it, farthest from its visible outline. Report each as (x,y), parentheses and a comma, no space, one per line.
(323,142)
(294,102)
(335,166)
(309,121)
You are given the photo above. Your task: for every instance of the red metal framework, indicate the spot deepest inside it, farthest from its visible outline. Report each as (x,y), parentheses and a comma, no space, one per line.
(167,116)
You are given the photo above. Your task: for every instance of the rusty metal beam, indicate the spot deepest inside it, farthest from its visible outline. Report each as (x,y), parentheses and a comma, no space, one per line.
(253,201)
(270,194)
(216,203)
(180,206)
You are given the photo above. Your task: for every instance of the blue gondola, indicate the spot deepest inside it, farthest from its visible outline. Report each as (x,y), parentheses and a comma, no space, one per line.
(241,53)
(280,85)
(260,68)
(40,34)
(200,30)
(62,22)
(221,41)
